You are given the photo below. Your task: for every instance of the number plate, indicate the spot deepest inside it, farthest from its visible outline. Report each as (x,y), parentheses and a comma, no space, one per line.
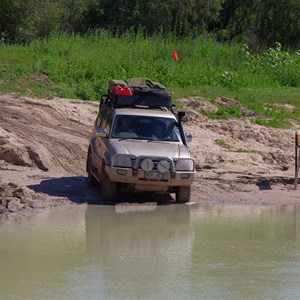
(154,175)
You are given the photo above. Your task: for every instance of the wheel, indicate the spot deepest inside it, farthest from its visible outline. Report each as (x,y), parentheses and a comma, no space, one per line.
(91,178)
(108,189)
(183,194)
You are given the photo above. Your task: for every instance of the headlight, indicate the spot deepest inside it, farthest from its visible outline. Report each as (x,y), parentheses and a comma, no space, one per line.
(184,165)
(122,160)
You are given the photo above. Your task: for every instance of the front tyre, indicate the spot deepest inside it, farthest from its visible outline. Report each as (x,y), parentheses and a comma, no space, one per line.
(183,194)
(108,189)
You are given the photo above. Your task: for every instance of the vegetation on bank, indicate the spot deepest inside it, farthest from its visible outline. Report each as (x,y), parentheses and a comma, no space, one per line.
(76,66)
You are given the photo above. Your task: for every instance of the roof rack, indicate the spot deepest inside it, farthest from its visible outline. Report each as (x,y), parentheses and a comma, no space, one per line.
(137,92)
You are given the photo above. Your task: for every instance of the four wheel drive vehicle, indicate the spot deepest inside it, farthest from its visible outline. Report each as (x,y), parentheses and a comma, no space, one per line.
(138,143)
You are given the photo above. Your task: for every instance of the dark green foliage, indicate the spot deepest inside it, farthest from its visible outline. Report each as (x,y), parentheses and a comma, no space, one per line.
(11,19)
(279,21)
(260,23)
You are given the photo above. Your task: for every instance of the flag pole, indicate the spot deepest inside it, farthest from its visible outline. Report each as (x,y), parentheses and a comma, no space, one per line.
(175,58)
(173,72)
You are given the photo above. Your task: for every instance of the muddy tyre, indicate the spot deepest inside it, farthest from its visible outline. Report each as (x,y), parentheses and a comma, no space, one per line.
(91,178)
(108,189)
(183,194)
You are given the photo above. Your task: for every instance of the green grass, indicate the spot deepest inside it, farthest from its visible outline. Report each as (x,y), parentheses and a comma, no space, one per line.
(80,67)
(221,143)
(242,150)
(228,148)
(262,101)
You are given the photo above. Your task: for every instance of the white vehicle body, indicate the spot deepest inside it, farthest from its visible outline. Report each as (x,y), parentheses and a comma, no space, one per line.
(137,159)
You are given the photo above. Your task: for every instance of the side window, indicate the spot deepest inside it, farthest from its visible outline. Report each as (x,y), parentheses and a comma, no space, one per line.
(104,115)
(100,116)
(108,123)
(98,120)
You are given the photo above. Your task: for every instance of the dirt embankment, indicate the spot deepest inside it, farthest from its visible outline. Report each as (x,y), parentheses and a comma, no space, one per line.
(43,146)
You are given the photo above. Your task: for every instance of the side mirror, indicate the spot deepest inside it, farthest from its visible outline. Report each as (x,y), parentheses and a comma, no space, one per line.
(188,137)
(101,132)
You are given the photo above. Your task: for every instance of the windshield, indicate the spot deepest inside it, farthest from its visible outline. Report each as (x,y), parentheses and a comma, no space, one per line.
(145,128)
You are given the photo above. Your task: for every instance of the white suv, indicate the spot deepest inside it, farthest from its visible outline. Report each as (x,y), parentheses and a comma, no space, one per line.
(134,149)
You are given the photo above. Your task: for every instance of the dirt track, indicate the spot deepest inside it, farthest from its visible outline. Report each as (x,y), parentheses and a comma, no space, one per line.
(43,147)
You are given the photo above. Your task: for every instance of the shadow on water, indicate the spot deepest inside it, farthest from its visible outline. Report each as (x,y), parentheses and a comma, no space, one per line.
(77,190)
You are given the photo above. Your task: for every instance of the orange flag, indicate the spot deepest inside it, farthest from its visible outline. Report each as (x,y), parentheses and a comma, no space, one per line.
(175,56)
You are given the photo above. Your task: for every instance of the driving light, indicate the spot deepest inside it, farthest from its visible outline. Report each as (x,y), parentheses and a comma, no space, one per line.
(147,164)
(163,166)
(184,165)
(122,160)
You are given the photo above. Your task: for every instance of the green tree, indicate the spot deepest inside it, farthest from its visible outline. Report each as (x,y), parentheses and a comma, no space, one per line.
(11,18)
(235,18)
(269,21)
(279,21)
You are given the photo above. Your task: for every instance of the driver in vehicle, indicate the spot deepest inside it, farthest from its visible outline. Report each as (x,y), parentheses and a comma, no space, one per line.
(125,125)
(159,132)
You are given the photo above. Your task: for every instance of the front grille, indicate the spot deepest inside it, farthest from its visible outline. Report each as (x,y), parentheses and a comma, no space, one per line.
(132,161)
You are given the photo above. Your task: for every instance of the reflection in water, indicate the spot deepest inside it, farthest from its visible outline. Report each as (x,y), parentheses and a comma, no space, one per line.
(145,251)
(142,254)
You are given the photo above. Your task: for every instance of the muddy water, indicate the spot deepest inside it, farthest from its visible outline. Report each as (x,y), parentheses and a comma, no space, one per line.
(152,252)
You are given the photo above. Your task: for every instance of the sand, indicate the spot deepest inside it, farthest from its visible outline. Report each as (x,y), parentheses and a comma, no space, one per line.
(43,148)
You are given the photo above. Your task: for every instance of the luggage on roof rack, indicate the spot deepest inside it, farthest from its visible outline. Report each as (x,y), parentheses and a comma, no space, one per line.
(139,91)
